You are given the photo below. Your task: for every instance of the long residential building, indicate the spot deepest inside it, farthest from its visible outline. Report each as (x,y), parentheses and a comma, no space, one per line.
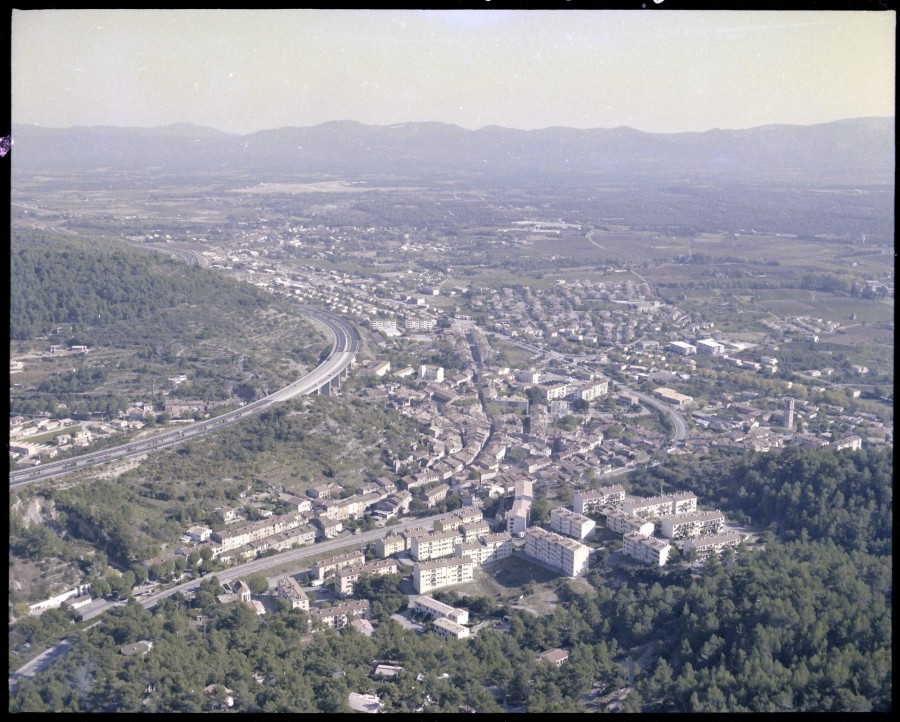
(681,502)
(434,608)
(554,550)
(325,567)
(439,573)
(698,523)
(570,523)
(587,501)
(449,628)
(239,536)
(705,546)
(621,522)
(345,579)
(341,614)
(646,549)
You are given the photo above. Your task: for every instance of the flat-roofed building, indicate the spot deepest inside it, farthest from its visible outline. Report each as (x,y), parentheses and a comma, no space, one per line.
(288,588)
(680,502)
(570,523)
(474,530)
(524,489)
(705,546)
(518,516)
(439,573)
(710,347)
(339,615)
(693,524)
(345,579)
(587,501)
(646,549)
(435,545)
(433,608)
(326,567)
(620,522)
(391,544)
(556,551)
(489,548)
(593,389)
(682,348)
(672,396)
(448,628)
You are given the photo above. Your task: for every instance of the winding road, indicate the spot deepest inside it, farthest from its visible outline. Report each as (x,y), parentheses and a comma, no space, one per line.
(344,350)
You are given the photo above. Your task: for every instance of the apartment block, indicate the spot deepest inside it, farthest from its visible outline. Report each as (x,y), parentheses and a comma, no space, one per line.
(518,516)
(439,573)
(694,524)
(474,530)
(288,588)
(435,545)
(448,628)
(705,546)
(621,522)
(344,579)
(554,550)
(454,519)
(646,549)
(592,390)
(587,501)
(570,523)
(391,544)
(246,533)
(341,614)
(434,608)
(489,548)
(655,506)
(327,567)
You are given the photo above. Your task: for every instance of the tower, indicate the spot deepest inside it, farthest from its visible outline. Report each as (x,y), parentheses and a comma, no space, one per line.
(788,414)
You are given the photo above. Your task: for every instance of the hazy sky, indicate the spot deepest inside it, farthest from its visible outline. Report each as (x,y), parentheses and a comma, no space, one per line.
(249,70)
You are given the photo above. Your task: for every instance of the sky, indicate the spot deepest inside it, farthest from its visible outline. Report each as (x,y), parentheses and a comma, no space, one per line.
(243,71)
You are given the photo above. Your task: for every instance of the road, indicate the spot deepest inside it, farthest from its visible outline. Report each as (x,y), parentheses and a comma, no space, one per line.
(301,557)
(344,350)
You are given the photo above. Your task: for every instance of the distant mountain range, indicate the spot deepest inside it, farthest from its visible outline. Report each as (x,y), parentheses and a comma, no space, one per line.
(861,148)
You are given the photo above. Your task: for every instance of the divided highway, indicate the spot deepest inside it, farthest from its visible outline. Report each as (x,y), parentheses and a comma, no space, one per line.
(344,350)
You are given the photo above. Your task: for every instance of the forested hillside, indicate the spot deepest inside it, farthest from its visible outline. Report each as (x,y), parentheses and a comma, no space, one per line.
(802,623)
(56,279)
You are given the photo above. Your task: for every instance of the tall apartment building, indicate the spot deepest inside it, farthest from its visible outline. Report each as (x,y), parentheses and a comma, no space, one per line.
(646,549)
(489,548)
(698,523)
(567,555)
(570,523)
(587,501)
(439,573)
(435,545)
(681,502)
(390,544)
(474,530)
(518,516)
(788,419)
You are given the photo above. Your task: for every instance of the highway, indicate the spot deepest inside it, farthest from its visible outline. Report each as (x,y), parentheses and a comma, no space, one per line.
(344,350)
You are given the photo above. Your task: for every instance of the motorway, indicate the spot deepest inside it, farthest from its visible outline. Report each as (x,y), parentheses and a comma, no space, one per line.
(344,350)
